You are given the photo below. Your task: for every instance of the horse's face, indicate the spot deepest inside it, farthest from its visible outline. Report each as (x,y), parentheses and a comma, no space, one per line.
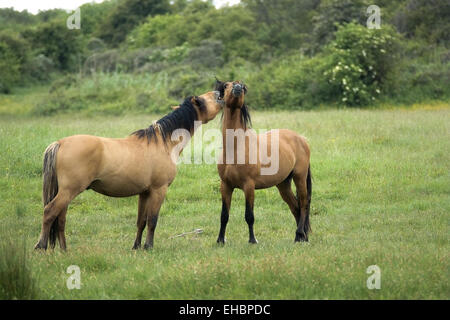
(208,105)
(232,93)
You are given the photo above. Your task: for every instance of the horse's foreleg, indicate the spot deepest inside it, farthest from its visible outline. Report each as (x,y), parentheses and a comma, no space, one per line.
(227,192)
(141,220)
(249,191)
(153,205)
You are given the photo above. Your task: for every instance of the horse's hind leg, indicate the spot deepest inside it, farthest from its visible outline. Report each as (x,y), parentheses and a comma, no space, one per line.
(302,196)
(288,196)
(61,228)
(51,211)
(141,220)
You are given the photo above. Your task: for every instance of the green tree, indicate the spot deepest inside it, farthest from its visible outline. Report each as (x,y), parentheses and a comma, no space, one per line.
(126,15)
(332,13)
(425,19)
(282,24)
(57,42)
(13,56)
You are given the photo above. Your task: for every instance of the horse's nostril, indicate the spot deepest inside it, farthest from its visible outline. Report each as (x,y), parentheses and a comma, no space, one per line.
(237,90)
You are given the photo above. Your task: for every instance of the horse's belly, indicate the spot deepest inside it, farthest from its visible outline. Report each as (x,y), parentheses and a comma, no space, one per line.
(117,188)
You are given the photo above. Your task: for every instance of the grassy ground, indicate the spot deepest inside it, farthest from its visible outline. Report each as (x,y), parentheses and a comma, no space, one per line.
(380,197)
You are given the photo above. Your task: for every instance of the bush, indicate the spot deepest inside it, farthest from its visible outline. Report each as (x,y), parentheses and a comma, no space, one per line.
(57,42)
(353,70)
(40,67)
(9,69)
(160,30)
(102,62)
(295,82)
(188,82)
(126,15)
(12,59)
(362,60)
(208,54)
(102,93)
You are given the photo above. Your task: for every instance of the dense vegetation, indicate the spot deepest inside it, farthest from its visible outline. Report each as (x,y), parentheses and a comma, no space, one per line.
(146,55)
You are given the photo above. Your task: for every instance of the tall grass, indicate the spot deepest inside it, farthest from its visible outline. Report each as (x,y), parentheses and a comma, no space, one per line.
(102,93)
(16,277)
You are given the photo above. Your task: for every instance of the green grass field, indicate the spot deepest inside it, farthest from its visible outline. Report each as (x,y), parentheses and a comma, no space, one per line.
(381,196)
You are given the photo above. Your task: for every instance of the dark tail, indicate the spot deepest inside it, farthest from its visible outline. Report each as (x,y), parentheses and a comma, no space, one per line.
(309,190)
(50,185)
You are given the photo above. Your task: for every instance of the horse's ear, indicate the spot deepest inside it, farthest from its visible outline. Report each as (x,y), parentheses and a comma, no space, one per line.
(198,102)
(175,107)
(245,88)
(195,100)
(218,84)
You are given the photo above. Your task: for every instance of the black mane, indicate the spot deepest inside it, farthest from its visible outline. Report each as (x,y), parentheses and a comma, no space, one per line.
(181,118)
(245,114)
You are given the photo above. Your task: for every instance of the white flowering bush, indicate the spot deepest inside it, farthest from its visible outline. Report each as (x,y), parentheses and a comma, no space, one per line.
(361,60)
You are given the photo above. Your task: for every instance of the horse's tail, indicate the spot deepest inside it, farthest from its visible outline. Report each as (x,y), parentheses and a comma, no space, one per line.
(309,190)
(50,184)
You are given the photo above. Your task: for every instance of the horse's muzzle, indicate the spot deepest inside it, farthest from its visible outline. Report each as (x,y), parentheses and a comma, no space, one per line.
(237,90)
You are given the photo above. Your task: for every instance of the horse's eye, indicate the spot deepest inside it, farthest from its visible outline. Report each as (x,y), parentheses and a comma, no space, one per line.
(225,85)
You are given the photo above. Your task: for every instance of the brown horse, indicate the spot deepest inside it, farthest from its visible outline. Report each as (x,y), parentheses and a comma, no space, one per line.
(287,147)
(141,164)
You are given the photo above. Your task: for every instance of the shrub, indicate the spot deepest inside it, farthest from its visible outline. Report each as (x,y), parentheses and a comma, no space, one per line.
(9,69)
(208,54)
(40,67)
(294,82)
(160,30)
(102,62)
(126,15)
(353,70)
(57,42)
(12,60)
(361,62)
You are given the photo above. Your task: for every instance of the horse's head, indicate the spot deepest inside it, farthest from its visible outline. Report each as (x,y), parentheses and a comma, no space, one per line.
(232,93)
(207,105)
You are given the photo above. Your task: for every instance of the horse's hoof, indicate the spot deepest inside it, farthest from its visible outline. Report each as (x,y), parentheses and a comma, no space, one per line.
(300,239)
(148,246)
(136,246)
(221,241)
(253,241)
(38,246)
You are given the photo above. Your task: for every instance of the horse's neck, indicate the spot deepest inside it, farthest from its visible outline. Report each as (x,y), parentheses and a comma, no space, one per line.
(232,120)
(179,142)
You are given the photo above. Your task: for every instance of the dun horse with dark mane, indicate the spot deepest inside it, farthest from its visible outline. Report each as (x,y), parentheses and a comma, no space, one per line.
(292,152)
(141,164)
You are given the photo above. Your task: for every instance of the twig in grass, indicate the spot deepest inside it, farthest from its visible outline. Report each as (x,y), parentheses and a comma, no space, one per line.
(196,231)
